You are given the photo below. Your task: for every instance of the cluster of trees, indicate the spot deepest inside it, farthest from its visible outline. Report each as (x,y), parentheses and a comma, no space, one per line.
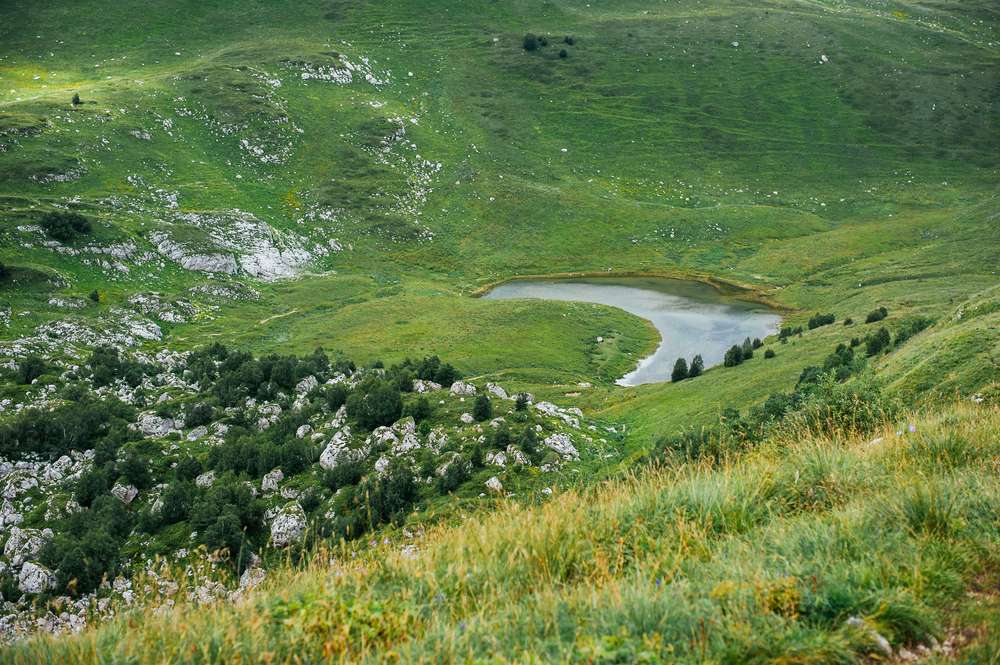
(818,320)
(788,331)
(683,371)
(878,341)
(533,42)
(225,515)
(824,396)
(65,226)
(107,366)
(876,315)
(738,353)
(84,423)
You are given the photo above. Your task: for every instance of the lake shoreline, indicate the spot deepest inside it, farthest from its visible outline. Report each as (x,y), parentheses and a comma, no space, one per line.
(691,317)
(738,290)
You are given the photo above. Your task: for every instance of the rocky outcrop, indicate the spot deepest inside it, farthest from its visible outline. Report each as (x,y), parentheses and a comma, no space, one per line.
(24,544)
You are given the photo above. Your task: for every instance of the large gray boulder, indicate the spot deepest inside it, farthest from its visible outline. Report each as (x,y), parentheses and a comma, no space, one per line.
(463,389)
(289,525)
(563,446)
(124,493)
(35,578)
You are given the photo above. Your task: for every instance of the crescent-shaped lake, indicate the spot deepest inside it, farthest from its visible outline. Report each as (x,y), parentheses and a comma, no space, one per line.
(691,317)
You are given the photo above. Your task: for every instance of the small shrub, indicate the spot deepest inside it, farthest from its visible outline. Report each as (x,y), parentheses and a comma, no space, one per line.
(563,53)
(568,40)
(483,408)
(94,296)
(76,99)
(375,403)
(30,369)
(199,414)
(521,403)
(848,321)
(530,42)
(420,410)
(769,353)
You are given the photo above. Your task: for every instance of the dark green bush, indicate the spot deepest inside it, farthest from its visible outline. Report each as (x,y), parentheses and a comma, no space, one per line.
(876,315)
(375,403)
(65,226)
(30,369)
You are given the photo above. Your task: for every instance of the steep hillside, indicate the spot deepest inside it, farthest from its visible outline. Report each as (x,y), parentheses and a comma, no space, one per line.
(813,549)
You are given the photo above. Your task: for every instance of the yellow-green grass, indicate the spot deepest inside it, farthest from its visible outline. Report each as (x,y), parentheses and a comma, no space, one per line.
(762,557)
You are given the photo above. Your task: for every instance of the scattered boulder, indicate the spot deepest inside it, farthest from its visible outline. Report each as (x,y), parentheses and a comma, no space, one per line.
(463,389)
(563,446)
(494,484)
(289,525)
(306,385)
(420,386)
(497,391)
(125,493)
(467,418)
(303,431)
(151,424)
(271,480)
(35,578)
(206,479)
(197,433)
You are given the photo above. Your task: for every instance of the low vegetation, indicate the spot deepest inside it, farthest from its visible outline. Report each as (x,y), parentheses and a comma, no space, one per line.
(816,543)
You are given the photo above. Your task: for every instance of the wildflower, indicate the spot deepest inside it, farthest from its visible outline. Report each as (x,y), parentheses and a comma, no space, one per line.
(912,428)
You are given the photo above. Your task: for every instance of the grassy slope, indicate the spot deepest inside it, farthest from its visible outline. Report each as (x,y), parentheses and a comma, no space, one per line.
(869,179)
(764,557)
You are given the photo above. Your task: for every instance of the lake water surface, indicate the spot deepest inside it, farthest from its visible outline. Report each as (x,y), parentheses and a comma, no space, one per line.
(691,317)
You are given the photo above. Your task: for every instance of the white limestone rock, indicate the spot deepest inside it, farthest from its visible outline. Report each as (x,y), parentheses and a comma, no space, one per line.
(563,446)
(463,389)
(24,544)
(35,578)
(151,424)
(271,480)
(494,485)
(420,386)
(289,525)
(206,479)
(125,493)
(306,385)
